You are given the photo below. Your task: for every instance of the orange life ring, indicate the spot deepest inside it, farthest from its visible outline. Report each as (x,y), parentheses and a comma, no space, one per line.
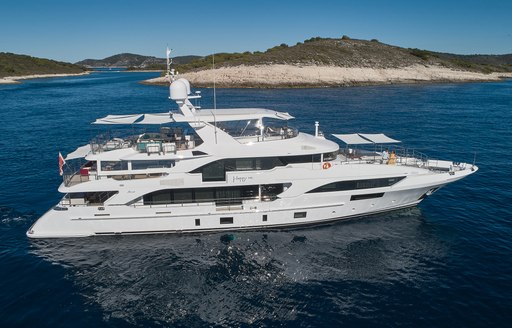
(326,166)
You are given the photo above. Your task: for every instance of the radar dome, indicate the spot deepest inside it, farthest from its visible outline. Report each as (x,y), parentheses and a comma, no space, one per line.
(187,83)
(178,90)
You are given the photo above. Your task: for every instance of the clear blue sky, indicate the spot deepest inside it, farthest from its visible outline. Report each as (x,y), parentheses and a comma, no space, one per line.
(73,30)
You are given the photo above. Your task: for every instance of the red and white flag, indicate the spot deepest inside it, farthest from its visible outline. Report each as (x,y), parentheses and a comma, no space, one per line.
(61,163)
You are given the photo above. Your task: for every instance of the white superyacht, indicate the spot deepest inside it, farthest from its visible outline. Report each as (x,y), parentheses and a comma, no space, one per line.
(231,169)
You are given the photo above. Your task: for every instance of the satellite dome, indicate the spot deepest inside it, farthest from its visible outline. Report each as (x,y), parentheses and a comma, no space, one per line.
(187,83)
(178,90)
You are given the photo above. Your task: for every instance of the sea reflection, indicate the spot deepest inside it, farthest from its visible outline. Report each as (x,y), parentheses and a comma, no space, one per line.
(244,277)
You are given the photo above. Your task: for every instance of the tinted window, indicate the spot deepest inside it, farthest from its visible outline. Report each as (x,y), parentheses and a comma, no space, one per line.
(182,196)
(216,171)
(330,156)
(366,196)
(299,215)
(114,165)
(226,220)
(142,165)
(204,195)
(220,195)
(357,184)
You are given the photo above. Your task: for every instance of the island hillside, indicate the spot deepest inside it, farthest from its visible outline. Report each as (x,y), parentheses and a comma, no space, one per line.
(12,65)
(135,62)
(340,62)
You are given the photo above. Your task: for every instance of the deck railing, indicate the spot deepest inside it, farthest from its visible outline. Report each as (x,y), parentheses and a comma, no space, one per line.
(145,143)
(404,156)
(269,133)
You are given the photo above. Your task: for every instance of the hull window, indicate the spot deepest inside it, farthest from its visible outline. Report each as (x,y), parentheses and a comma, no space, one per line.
(366,196)
(226,220)
(299,215)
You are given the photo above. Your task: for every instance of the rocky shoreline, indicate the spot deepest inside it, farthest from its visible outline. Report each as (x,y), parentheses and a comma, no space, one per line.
(300,76)
(16,79)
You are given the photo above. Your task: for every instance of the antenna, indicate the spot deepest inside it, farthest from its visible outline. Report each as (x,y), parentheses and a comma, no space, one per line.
(214,98)
(214,93)
(169,75)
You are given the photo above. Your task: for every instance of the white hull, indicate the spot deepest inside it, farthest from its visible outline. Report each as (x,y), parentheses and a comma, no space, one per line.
(82,221)
(232,172)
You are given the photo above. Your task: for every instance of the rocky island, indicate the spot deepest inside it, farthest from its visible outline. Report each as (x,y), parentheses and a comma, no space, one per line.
(328,62)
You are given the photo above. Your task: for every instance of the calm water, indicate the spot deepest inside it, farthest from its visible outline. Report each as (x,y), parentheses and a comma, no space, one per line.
(447,262)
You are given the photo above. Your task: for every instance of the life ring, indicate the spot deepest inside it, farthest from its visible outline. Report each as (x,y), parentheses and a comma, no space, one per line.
(326,166)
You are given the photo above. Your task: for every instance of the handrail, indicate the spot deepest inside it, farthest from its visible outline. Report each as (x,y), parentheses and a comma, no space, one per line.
(270,132)
(157,142)
(404,156)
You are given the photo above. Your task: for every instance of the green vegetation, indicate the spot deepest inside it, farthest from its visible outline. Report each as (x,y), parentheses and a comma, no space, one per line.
(317,38)
(463,63)
(347,52)
(423,54)
(281,46)
(135,62)
(18,65)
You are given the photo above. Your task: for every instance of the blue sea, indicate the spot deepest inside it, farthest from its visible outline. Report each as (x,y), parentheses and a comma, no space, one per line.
(445,263)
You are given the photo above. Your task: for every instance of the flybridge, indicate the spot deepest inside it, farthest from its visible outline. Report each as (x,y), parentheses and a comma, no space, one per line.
(204,115)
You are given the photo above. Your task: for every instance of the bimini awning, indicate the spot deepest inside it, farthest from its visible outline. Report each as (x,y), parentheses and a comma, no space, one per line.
(352,139)
(118,119)
(80,152)
(159,118)
(205,115)
(379,138)
(365,138)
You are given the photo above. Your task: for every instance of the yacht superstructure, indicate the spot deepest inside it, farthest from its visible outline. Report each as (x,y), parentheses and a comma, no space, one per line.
(231,169)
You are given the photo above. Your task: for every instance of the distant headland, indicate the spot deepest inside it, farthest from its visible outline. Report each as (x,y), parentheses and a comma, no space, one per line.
(328,62)
(316,62)
(135,62)
(15,67)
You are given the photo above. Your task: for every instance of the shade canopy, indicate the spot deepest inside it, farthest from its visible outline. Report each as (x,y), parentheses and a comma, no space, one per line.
(365,138)
(205,115)
(80,152)
(118,119)
(352,139)
(378,138)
